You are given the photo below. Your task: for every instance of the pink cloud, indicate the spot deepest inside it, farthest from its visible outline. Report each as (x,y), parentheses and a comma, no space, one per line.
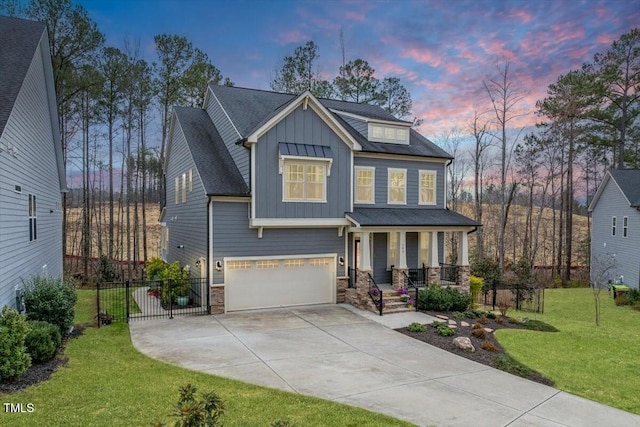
(424,56)
(354,16)
(292,36)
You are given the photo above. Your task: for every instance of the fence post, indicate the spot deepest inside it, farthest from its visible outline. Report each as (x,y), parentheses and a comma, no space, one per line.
(208,288)
(495,294)
(169,283)
(98,302)
(126,290)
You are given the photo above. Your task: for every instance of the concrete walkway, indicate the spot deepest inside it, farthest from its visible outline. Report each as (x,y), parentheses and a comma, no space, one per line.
(343,354)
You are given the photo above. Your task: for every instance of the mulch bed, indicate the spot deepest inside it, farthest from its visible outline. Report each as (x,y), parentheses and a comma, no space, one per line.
(40,372)
(479,355)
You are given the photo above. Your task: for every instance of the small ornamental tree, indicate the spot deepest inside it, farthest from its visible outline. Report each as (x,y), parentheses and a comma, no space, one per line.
(52,300)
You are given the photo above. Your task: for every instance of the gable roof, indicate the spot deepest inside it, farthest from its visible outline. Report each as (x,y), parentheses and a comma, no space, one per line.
(250,109)
(208,149)
(20,39)
(627,181)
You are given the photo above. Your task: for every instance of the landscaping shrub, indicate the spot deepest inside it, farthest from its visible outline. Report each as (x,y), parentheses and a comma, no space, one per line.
(154,267)
(634,296)
(491,315)
(51,300)
(437,298)
(443,329)
(475,286)
(538,325)
(195,413)
(506,363)
(479,333)
(416,327)
(106,272)
(488,345)
(483,320)
(14,358)
(179,284)
(42,341)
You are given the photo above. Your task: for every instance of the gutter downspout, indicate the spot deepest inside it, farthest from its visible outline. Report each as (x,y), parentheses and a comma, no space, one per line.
(446,166)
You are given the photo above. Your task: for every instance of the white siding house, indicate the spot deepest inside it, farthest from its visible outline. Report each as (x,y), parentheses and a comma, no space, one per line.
(615,233)
(31,165)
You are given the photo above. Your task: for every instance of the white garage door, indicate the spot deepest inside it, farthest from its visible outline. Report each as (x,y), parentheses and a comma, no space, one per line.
(278,282)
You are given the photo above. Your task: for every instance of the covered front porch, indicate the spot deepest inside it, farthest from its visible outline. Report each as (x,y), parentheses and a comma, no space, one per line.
(405,248)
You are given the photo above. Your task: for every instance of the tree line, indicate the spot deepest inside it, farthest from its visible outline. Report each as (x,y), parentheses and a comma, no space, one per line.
(588,123)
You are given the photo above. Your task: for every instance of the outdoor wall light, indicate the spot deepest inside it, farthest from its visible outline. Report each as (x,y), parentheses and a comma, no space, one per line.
(218,265)
(180,246)
(341,260)
(198,263)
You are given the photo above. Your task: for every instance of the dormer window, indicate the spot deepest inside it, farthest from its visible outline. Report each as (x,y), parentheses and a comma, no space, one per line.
(383,132)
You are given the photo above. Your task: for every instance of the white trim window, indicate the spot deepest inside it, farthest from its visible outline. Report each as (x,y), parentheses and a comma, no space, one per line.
(423,249)
(190,180)
(177,189)
(625,226)
(614,221)
(365,185)
(390,134)
(427,187)
(33,218)
(397,186)
(184,188)
(304,182)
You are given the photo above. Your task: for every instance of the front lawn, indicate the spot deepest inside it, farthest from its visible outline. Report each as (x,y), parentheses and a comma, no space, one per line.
(596,362)
(108,383)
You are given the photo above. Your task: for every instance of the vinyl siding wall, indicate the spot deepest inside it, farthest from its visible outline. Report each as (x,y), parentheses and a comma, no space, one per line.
(413,184)
(239,154)
(187,222)
(626,249)
(232,237)
(35,170)
(302,127)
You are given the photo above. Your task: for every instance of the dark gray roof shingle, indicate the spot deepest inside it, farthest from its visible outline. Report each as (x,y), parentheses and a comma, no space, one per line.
(218,172)
(629,182)
(248,109)
(413,217)
(19,39)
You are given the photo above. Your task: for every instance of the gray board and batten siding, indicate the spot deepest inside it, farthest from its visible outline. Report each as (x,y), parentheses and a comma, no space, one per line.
(34,170)
(301,127)
(413,181)
(232,237)
(626,250)
(187,222)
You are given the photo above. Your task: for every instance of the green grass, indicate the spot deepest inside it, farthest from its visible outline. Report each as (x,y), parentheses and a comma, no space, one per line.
(108,383)
(596,362)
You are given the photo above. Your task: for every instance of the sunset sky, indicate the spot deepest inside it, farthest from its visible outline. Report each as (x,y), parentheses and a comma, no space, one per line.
(441,50)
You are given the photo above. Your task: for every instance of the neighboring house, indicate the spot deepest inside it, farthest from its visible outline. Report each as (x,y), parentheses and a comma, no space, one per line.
(275,198)
(31,164)
(615,233)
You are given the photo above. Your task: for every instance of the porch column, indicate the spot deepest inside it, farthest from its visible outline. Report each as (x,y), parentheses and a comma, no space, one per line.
(365,251)
(433,275)
(463,248)
(398,280)
(464,271)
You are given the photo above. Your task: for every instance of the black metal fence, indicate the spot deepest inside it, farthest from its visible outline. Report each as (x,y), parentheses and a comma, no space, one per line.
(520,297)
(124,301)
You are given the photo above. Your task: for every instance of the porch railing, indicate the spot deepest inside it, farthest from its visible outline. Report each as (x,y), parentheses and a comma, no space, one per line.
(418,275)
(375,293)
(448,274)
(412,285)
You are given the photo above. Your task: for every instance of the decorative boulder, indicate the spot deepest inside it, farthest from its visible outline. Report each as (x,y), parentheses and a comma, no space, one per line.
(464,343)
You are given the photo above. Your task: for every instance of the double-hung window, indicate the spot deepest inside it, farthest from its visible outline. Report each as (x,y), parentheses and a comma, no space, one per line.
(304,182)
(33,218)
(625,226)
(427,187)
(365,185)
(614,221)
(397,188)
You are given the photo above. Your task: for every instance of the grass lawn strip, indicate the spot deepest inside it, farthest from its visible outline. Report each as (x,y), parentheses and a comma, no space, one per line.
(596,362)
(107,383)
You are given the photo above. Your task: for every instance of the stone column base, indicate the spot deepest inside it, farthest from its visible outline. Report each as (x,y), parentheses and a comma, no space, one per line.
(433,276)
(464,273)
(398,280)
(217,299)
(342,283)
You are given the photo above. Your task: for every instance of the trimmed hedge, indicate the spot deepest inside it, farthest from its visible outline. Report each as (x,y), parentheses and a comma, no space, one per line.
(14,358)
(42,341)
(51,300)
(437,298)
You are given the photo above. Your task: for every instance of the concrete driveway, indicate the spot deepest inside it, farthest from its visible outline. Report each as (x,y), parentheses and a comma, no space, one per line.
(339,353)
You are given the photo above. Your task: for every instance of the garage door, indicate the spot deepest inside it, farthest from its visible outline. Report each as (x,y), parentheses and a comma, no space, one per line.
(279,282)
